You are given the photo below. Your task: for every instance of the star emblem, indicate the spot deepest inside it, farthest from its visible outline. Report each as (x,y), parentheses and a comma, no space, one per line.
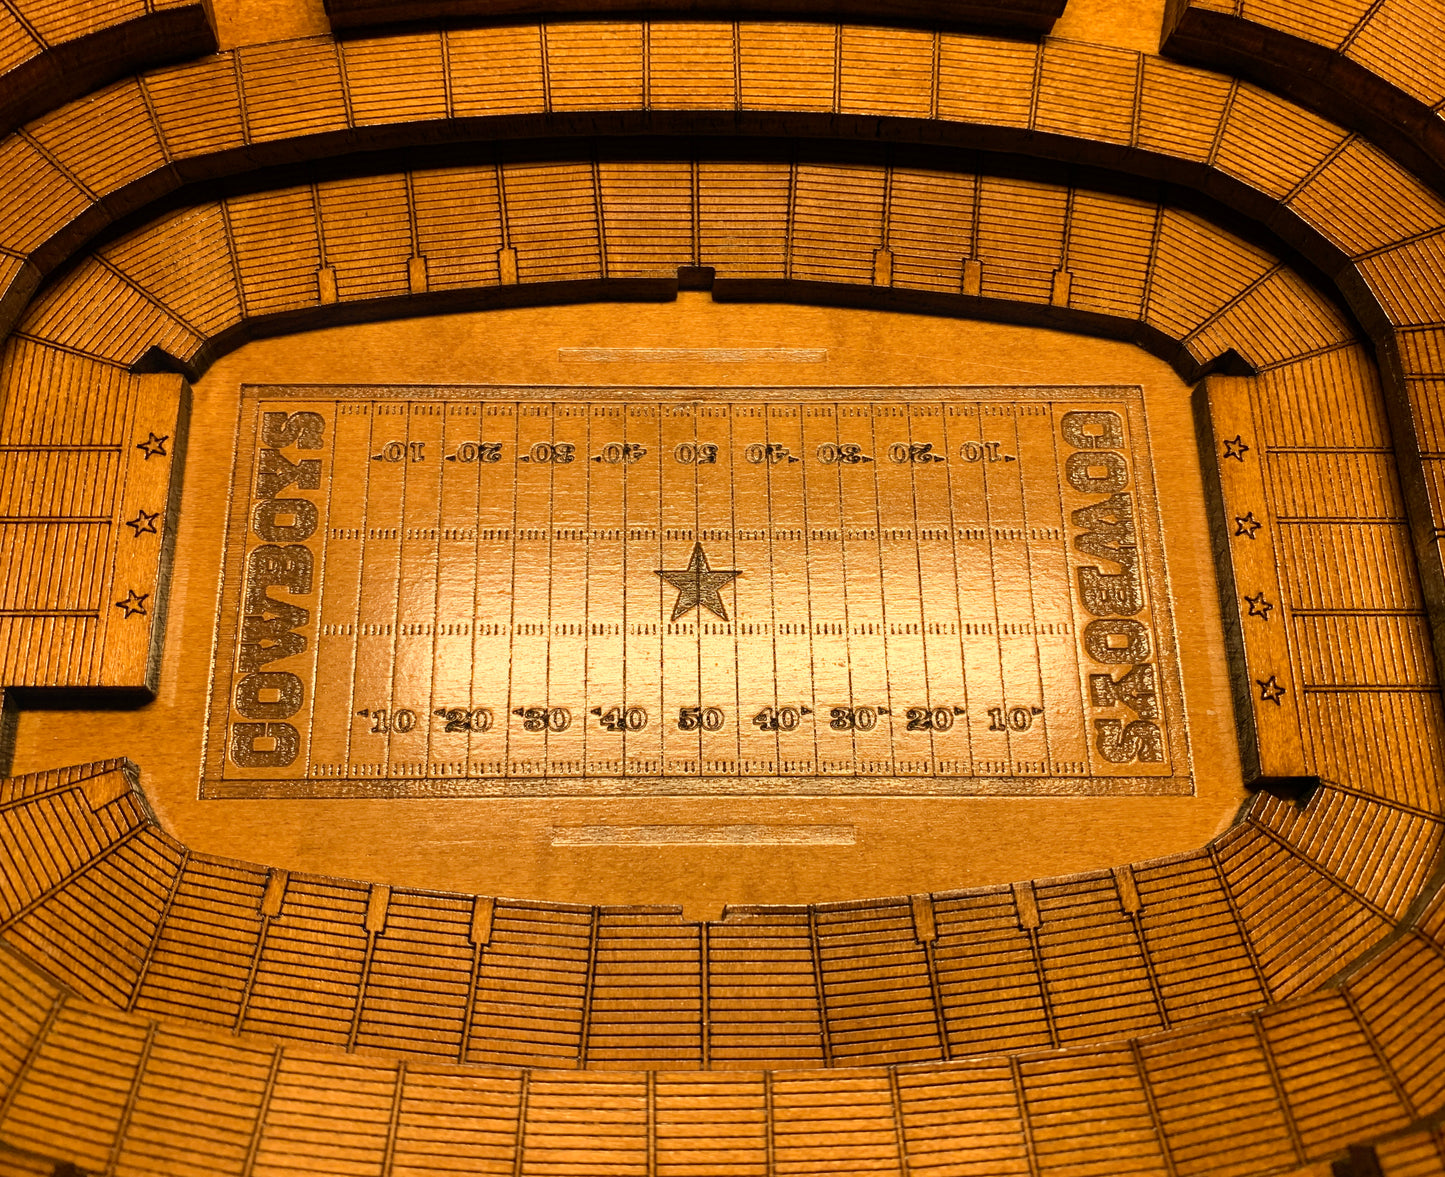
(153,446)
(134,604)
(1258,606)
(1269,690)
(1246,525)
(699,586)
(144,521)
(1236,448)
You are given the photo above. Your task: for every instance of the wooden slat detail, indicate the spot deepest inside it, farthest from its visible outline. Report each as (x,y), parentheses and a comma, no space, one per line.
(421,971)
(877,991)
(29,999)
(1180,109)
(743,218)
(710,1123)
(827,247)
(1333,400)
(1195,274)
(786,66)
(1081,925)
(979,1093)
(95,932)
(310,968)
(52,398)
(134,150)
(1380,742)
(832,1121)
(647,212)
(886,72)
(465,1118)
(366,227)
(72,1098)
(1278,320)
(1380,853)
(1285,904)
(318,1101)
(1242,1128)
(1420,1153)
(203,956)
(479,88)
(1200,957)
(201,297)
(1352,1099)
(372,68)
(1110,78)
(990,81)
(197,1103)
(1330,199)
(30,784)
(1272,144)
(277,249)
(459,226)
(532,986)
(646,1006)
(1399,1003)
(762,996)
(1020,238)
(197,106)
(1090,1107)
(615,1109)
(690,66)
(987,977)
(51,838)
(291,89)
(552,221)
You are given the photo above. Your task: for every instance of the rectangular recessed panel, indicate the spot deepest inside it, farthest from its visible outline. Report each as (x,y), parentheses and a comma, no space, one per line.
(617,591)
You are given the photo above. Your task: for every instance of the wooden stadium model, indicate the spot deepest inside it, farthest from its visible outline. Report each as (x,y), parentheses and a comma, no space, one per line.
(699,467)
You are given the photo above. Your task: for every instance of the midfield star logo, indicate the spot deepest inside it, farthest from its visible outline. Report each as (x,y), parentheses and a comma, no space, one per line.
(699,586)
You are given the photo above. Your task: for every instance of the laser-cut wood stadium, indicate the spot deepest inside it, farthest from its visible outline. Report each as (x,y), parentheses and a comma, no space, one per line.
(708,523)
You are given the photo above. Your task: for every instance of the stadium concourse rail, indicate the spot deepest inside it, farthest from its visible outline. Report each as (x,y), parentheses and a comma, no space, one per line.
(140,1091)
(124,1057)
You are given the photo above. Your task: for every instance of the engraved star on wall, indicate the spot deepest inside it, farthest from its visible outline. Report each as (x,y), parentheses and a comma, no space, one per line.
(1236,448)
(144,523)
(1259,606)
(699,586)
(1269,690)
(154,446)
(134,604)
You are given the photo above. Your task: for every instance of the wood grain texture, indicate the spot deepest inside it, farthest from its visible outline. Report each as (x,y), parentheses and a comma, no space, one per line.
(52,52)
(1258,141)
(126,917)
(156,1092)
(1373,67)
(1064,1025)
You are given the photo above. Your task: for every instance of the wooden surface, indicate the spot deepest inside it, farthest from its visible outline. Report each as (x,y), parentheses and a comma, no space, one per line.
(1374,67)
(1260,996)
(51,53)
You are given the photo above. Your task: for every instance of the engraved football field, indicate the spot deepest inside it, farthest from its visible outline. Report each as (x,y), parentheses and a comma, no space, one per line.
(514,593)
